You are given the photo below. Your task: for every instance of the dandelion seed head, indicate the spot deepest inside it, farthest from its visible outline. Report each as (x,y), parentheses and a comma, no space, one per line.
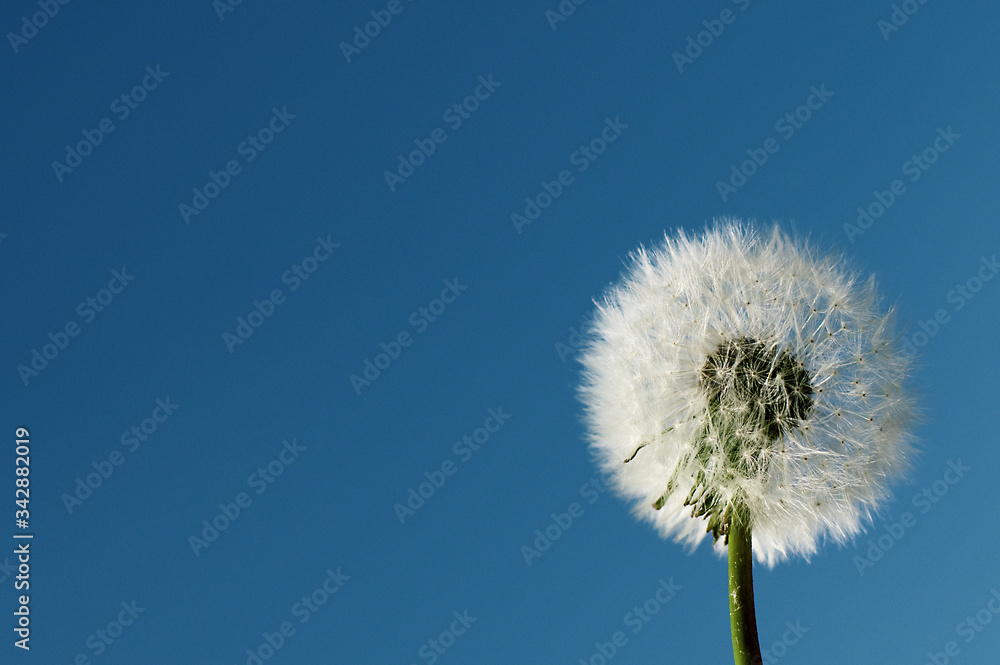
(746,366)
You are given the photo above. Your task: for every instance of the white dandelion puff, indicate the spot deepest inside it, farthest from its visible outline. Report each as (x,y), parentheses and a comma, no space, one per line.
(742,371)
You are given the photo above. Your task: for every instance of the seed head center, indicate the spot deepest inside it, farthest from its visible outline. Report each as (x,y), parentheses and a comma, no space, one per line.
(769,389)
(756,393)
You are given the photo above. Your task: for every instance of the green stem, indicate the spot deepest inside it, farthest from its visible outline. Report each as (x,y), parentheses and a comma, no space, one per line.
(746,647)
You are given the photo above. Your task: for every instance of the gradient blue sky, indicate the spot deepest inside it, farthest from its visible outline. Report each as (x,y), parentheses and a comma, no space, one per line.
(516,294)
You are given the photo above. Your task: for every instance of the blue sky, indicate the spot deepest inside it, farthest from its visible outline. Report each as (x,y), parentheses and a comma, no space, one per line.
(201,246)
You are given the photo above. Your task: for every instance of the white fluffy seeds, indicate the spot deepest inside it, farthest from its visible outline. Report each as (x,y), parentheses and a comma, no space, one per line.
(810,451)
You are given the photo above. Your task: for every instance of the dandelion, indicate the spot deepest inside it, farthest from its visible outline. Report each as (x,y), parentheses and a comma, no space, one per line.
(740,383)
